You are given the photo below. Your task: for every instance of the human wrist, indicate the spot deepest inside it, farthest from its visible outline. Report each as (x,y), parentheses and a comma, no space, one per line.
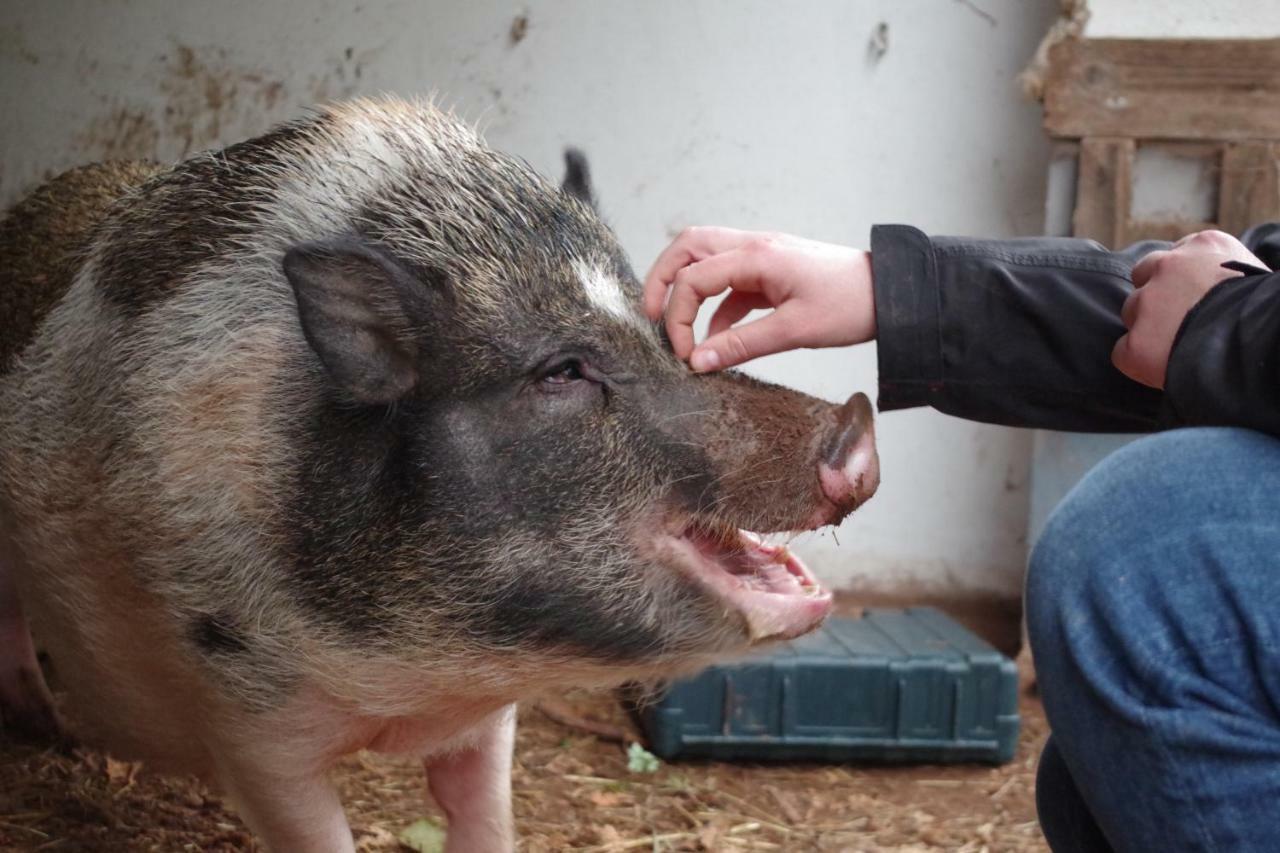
(864,298)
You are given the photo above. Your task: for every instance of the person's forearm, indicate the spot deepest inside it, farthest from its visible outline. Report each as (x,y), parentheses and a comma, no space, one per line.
(1015,332)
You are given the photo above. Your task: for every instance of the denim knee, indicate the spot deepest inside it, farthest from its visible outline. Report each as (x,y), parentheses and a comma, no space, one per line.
(1158,488)
(1151,612)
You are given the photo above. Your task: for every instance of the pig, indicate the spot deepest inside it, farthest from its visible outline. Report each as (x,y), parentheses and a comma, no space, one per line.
(353,435)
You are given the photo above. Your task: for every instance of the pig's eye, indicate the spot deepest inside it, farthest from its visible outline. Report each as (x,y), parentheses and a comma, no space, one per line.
(564,373)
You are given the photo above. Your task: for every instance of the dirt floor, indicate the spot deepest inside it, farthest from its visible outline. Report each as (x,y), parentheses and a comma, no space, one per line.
(573,792)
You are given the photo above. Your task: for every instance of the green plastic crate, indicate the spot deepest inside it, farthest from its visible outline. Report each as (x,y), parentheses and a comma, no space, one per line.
(892,686)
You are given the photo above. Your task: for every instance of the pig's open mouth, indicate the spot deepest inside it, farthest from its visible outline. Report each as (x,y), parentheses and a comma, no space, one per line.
(772,589)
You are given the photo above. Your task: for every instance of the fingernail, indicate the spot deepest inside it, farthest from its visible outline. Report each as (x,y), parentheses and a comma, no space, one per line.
(704,360)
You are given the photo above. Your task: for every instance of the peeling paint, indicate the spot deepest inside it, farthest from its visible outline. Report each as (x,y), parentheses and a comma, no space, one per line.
(519,29)
(206,97)
(207,100)
(204,92)
(121,134)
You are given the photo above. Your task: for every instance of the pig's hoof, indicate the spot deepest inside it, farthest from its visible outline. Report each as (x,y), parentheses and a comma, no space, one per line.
(26,708)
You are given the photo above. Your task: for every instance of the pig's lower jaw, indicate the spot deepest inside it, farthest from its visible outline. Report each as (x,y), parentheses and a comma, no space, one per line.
(776,595)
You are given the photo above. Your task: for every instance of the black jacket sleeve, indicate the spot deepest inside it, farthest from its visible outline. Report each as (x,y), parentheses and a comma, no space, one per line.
(1224,369)
(1020,332)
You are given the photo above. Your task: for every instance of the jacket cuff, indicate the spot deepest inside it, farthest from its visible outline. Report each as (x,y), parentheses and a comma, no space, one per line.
(1196,358)
(905,281)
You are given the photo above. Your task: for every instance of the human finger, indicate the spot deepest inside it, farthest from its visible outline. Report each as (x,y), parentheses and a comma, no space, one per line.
(735,306)
(1129,311)
(696,283)
(733,346)
(1144,269)
(1129,358)
(693,244)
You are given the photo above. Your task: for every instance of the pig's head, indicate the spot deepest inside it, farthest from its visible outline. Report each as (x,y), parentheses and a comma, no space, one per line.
(499,453)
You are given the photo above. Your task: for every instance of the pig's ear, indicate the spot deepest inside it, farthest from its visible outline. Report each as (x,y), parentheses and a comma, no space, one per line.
(577,177)
(354,303)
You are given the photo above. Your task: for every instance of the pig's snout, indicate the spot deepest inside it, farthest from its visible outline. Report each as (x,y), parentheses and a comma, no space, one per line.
(849,470)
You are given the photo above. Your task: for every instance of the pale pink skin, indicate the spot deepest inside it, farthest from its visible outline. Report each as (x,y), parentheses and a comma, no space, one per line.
(473,786)
(856,480)
(18,667)
(22,688)
(469,777)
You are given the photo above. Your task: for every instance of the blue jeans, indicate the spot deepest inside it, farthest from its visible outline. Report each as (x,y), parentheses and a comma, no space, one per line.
(1153,607)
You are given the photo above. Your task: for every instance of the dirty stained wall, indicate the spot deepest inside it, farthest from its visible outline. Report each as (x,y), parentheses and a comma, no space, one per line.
(820,118)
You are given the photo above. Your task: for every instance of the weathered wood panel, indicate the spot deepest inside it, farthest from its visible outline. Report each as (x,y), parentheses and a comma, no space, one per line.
(1171,230)
(1104,190)
(1249,191)
(1164,88)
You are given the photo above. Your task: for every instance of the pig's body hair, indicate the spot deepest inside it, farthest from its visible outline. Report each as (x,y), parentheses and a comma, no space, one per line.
(174,366)
(43,239)
(604,291)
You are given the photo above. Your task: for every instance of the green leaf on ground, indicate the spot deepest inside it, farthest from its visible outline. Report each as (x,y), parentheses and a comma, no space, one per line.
(423,836)
(641,760)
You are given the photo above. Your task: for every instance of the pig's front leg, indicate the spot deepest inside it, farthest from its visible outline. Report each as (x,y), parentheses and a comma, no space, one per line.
(289,812)
(473,787)
(25,702)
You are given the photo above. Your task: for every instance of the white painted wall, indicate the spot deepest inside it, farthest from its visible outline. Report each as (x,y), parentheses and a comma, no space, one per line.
(757,114)
(1219,19)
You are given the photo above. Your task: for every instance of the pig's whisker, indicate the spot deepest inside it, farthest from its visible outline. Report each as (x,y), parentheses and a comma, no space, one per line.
(669,418)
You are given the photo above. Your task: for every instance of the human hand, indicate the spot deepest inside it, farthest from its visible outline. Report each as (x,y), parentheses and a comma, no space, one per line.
(821,293)
(1168,284)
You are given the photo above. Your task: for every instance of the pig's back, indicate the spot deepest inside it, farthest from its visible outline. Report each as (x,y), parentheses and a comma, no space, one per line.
(41,239)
